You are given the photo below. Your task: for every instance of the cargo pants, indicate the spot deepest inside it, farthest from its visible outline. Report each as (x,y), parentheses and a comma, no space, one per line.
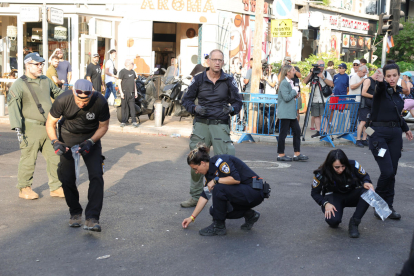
(35,139)
(217,136)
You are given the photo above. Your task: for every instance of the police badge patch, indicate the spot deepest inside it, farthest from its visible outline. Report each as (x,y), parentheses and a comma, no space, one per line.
(315,183)
(224,168)
(90,116)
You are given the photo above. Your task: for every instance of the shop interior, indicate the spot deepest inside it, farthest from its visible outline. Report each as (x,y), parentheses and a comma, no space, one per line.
(8,45)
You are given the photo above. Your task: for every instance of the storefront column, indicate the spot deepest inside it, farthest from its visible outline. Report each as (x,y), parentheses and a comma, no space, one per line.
(45,39)
(75,46)
(20,37)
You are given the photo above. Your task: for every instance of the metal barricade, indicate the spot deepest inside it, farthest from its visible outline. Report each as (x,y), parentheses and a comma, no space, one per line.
(262,107)
(340,118)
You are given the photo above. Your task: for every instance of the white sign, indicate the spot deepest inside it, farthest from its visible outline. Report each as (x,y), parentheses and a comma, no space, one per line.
(30,14)
(353,25)
(303,21)
(316,19)
(55,16)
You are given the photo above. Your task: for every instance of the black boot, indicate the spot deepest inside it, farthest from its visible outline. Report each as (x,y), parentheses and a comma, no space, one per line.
(217,228)
(394,214)
(251,217)
(353,227)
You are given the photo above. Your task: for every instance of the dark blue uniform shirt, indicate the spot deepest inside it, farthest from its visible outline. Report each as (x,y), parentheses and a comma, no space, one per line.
(228,165)
(341,83)
(213,96)
(318,186)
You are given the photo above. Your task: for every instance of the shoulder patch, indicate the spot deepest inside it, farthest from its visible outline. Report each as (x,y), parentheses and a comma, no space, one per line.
(316,182)
(218,162)
(234,82)
(356,164)
(224,168)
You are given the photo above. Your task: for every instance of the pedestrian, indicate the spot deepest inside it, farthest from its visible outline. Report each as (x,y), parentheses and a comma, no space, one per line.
(128,91)
(86,120)
(94,73)
(27,116)
(270,80)
(408,99)
(215,90)
(235,188)
(387,124)
(286,112)
(200,68)
(341,87)
(64,70)
(318,102)
(248,80)
(51,72)
(367,94)
(110,74)
(355,67)
(355,85)
(339,183)
(331,69)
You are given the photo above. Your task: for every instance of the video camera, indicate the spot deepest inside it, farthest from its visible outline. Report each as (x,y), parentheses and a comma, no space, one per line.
(316,69)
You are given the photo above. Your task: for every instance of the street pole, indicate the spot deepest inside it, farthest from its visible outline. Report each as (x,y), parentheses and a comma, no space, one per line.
(257,64)
(385,42)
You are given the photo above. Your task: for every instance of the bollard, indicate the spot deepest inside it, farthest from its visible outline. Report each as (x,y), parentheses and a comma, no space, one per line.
(2,105)
(158,113)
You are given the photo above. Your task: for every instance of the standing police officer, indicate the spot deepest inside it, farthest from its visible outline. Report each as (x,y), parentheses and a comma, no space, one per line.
(214,90)
(29,102)
(86,120)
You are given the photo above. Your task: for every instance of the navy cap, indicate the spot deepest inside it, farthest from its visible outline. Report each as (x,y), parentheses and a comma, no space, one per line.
(33,56)
(83,85)
(343,65)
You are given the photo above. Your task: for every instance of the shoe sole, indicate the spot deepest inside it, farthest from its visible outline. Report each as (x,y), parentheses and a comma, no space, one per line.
(57,196)
(75,225)
(284,160)
(304,160)
(26,197)
(93,229)
(221,233)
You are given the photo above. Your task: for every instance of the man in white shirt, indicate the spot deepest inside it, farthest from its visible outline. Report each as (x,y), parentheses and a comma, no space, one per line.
(355,85)
(355,66)
(110,74)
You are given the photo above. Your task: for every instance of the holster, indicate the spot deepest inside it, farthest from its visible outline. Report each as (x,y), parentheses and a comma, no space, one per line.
(257,183)
(266,190)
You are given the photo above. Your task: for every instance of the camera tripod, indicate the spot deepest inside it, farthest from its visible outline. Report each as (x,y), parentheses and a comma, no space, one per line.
(314,82)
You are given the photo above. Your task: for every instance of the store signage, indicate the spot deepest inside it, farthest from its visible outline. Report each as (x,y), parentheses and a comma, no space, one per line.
(316,19)
(281,27)
(354,24)
(55,16)
(30,14)
(179,5)
(252,4)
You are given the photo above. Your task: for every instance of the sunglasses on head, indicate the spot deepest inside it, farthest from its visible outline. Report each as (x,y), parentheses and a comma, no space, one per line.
(80,92)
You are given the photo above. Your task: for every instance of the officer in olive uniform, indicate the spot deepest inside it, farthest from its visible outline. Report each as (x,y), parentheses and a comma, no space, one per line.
(235,189)
(28,118)
(214,90)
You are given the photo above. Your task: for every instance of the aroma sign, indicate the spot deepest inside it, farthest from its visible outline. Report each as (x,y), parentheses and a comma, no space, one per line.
(195,6)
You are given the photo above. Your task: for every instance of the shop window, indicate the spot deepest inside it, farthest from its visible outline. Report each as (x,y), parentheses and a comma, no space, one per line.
(310,42)
(58,37)
(8,50)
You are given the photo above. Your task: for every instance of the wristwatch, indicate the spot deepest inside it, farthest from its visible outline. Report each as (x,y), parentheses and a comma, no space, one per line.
(216,179)
(53,141)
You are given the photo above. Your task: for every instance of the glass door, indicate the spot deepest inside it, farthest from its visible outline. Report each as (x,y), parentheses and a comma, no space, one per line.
(89,46)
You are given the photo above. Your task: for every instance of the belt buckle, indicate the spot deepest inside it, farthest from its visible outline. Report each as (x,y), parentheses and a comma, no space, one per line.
(393,124)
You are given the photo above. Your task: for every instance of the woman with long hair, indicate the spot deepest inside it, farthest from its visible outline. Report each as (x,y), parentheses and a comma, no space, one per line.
(286,113)
(339,183)
(385,131)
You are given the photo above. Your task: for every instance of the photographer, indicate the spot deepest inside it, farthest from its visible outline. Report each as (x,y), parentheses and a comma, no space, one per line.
(269,79)
(318,102)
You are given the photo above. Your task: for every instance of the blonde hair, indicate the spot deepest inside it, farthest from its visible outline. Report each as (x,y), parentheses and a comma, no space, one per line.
(198,154)
(283,73)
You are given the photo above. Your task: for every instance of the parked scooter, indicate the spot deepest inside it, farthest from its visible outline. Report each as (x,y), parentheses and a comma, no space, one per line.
(144,103)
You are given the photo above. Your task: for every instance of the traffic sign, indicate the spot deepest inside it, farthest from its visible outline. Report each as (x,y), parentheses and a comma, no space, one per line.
(281,27)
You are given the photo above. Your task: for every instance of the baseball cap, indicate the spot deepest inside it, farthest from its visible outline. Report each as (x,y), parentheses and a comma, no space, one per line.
(95,55)
(287,58)
(408,74)
(356,61)
(33,56)
(83,85)
(343,65)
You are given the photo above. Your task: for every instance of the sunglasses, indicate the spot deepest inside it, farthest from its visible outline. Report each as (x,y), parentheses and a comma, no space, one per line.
(356,64)
(80,92)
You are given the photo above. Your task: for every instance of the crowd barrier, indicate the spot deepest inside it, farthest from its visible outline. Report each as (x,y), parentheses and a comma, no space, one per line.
(340,118)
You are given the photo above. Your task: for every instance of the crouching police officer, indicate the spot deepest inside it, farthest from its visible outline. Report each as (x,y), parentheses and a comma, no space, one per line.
(215,90)
(86,120)
(235,188)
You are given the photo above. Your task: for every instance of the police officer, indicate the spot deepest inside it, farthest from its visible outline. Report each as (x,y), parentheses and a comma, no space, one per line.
(214,90)
(29,102)
(85,121)
(386,127)
(339,183)
(235,188)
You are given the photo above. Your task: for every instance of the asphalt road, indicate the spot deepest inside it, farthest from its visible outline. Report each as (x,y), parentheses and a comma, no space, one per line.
(147,177)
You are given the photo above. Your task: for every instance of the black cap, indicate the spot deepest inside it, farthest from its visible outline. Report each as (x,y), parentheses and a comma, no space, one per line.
(342,65)
(33,56)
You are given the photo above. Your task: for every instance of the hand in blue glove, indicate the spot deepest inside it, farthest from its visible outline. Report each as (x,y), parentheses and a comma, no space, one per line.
(227,109)
(201,110)
(85,147)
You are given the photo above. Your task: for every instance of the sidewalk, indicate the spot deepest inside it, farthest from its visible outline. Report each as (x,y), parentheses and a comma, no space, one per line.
(183,128)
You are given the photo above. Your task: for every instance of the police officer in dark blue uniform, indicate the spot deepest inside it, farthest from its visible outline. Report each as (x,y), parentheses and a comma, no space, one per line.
(235,189)
(339,183)
(214,90)
(385,130)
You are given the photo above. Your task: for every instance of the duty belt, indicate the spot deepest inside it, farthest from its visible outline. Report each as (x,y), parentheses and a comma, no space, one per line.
(386,124)
(211,121)
(35,122)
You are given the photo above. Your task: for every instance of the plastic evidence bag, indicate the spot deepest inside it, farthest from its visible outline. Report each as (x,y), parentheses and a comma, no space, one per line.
(76,157)
(381,207)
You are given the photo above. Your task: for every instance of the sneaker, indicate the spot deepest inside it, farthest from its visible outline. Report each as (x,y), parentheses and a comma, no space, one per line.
(122,125)
(75,220)
(217,228)
(316,134)
(134,124)
(249,222)
(92,224)
(57,193)
(359,144)
(365,143)
(300,157)
(189,203)
(28,193)
(284,158)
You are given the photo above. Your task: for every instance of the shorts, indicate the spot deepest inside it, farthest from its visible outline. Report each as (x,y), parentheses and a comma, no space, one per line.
(363,112)
(335,100)
(408,104)
(317,109)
